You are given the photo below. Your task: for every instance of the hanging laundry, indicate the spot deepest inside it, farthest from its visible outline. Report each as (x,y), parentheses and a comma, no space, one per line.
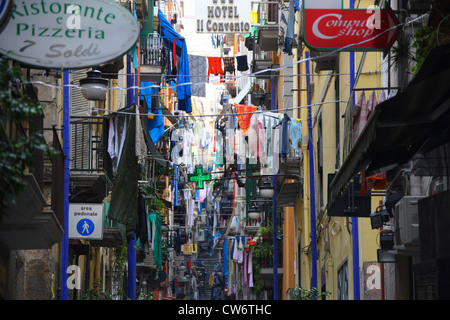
(363,116)
(295,128)
(189,207)
(244,116)
(124,195)
(166,30)
(155,125)
(289,39)
(381,97)
(225,258)
(242,64)
(228,63)
(141,222)
(156,239)
(276,142)
(250,269)
(285,136)
(174,58)
(123,134)
(256,138)
(215,66)
(112,139)
(141,147)
(371,104)
(107,161)
(198,70)
(356,114)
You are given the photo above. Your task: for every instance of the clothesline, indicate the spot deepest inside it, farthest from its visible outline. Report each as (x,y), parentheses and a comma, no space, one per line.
(262,71)
(212,115)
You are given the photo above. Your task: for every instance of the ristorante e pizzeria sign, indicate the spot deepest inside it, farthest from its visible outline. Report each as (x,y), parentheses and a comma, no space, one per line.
(223,16)
(72,34)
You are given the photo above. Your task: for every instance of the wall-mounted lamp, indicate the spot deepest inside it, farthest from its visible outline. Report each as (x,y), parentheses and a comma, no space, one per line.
(386,254)
(254,213)
(379,217)
(266,190)
(93,87)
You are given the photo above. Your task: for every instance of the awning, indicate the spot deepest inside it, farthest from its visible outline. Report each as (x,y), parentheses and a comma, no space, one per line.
(288,193)
(399,127)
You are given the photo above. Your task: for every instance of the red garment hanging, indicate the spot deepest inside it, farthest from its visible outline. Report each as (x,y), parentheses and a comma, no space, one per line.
(174,53)
(215,66)
(245,118)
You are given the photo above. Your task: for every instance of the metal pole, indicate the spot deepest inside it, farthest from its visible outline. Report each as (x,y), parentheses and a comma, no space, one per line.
(355,236)
(132,267)
(274,213)
(311,182)
(66,150)
(132,237)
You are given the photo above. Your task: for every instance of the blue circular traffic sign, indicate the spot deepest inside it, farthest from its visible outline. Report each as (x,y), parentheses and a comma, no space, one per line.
(85,227)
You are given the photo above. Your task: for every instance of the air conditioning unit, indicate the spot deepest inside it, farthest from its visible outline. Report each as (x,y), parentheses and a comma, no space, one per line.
(406,216)
(202,235)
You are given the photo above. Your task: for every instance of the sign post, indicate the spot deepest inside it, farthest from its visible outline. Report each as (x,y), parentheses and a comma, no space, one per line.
(328,26)
(58,35)
(199,176)
(86,221)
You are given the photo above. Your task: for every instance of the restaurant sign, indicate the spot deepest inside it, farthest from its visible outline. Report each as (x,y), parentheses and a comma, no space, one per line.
(328,26)
(76,34)
(223,16)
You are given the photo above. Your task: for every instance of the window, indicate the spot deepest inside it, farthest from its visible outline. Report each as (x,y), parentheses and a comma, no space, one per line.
(342,279)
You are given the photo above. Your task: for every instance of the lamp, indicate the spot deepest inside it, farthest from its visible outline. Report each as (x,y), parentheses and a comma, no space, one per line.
(385,253)
(93,86)
(266,190)
(379,217)
(254,213)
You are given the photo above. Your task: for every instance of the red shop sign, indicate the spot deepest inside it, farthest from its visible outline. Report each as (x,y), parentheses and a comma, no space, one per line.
(327,29)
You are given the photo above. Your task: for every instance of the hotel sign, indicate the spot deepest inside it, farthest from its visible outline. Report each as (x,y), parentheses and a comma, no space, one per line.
(328,26)
(223,16)
(76,34)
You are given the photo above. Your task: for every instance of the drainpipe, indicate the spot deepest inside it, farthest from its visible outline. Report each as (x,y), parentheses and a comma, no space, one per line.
(355,236)
(274,212)
(311,180)
(131,292)
(66,150)
(132,237)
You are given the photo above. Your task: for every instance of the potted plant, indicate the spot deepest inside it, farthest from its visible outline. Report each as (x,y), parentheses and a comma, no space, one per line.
(265,231)
(257,94)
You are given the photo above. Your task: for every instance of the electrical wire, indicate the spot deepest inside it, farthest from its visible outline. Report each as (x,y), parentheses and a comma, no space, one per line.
(245,75)
(209,115)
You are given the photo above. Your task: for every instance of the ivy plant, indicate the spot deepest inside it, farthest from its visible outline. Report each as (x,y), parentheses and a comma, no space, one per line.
(17,150)
(306,294)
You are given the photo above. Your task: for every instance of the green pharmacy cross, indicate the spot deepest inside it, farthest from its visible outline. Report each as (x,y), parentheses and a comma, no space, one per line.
(199,176)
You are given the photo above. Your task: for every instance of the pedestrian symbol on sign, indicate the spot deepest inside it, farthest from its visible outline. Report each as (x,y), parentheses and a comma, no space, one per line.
(85,227)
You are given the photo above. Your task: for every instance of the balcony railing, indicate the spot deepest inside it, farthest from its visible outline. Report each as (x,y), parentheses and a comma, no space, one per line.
(152,51)
(86,144)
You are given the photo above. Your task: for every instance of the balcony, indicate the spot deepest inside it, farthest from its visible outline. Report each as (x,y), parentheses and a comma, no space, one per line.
(87,147)
(29,224)
(33,222)
(262,61)
(153,58)
(141,7)
(267,25)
